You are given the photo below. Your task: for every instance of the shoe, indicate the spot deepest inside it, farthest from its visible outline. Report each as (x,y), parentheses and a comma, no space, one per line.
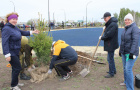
(15,88)
(109,76)
(71,72)
(114,72)
(21,84)
(24,77)
(65,77)
(30,69)
(33,66)
(122,84)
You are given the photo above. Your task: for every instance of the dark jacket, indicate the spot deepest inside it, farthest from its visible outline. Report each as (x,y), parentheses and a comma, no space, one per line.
(130,40)
(63,51)
(110,36)
(11,39)
(2,25)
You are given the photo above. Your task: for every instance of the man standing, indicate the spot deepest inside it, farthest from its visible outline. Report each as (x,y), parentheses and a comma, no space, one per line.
(2,25)
(62,24)
(110,38)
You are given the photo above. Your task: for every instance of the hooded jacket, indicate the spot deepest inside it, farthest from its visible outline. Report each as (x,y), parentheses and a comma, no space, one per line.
(110,36)
(130,40)
(61,50)
(11,39)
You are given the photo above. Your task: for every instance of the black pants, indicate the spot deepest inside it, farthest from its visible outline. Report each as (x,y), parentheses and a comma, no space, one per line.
(16,67)
(61,66)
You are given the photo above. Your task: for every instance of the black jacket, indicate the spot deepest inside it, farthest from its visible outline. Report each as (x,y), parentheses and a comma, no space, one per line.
(130,40)
(2,25)
(110,36)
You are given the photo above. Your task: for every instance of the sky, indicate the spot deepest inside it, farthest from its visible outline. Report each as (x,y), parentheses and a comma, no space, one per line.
(66,9)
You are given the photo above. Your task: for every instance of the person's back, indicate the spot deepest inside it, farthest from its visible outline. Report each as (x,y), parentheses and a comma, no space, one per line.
(66,51)
(2,25)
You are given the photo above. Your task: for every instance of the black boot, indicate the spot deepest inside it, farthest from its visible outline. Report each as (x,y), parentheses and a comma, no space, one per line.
(24,77)
(114,72)
(109,76)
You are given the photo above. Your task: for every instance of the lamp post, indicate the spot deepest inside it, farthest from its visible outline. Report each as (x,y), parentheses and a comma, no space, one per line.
(86,12)
(13,4)
(48,15)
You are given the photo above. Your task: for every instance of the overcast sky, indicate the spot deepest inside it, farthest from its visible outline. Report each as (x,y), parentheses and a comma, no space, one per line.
(74,9)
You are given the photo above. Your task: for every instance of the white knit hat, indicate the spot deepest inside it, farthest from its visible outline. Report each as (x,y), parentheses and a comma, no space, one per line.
(129,16)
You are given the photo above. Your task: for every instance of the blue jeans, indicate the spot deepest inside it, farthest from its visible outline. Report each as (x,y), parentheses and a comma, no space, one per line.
(110,59)
(128,73)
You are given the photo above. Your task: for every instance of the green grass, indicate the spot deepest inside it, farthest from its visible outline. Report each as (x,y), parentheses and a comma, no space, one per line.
(76,80)
(75,86)
(7,88)
(107,88)
(59,89)
(92,79)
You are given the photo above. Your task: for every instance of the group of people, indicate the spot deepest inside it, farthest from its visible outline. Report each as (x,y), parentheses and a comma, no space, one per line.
(14,44)
(129,48)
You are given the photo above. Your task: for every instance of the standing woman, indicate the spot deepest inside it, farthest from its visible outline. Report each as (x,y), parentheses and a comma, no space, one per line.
(11,44)
(129,50)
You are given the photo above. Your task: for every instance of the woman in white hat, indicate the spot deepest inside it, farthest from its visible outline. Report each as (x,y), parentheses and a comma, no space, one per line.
(129,50)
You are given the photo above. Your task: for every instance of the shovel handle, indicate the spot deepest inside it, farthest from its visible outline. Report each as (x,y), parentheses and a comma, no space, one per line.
(96,47)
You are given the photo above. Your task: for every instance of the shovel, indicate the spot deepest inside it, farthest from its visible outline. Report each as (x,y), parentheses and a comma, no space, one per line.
(92,60)
(85,71)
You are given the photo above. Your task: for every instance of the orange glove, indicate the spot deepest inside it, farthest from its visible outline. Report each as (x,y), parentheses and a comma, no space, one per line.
(8,65)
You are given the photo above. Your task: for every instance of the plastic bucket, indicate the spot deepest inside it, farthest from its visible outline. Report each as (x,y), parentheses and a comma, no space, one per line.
(137,80)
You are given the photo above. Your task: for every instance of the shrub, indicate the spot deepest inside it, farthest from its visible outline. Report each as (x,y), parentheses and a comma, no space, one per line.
(41,43)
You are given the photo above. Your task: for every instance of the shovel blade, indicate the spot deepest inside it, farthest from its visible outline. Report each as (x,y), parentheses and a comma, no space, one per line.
(84,72)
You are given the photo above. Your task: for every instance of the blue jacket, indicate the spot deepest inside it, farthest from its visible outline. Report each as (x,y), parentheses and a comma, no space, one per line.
(11,39)
(130,40)
(110,36)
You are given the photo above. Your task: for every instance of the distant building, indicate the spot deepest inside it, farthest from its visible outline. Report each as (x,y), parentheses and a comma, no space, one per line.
(80,21)
(70,21)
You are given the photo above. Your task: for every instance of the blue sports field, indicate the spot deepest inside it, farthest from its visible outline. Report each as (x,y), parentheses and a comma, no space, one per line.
(81,37)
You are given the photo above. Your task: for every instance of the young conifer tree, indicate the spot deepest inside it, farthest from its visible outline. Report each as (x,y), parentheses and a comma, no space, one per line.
(42,42)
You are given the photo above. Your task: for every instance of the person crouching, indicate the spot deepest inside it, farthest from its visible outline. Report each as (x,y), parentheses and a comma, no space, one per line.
(63,56)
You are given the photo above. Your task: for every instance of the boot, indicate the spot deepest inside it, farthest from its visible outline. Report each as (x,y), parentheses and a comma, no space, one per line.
(24,77)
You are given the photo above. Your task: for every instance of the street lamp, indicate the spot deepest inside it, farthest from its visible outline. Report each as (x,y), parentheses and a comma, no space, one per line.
(86,12)
(48,15)
(14,5)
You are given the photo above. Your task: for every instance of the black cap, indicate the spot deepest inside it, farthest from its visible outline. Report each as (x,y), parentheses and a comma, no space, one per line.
(106,15)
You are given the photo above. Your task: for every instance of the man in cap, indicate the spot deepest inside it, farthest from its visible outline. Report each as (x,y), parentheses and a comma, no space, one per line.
(63,56)
(110,39)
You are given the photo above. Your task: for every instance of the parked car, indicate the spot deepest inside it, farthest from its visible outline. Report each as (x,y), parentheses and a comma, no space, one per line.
(27,26)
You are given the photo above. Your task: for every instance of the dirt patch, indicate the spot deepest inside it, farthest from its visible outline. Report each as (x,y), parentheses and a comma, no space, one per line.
(93,81)
(40,73)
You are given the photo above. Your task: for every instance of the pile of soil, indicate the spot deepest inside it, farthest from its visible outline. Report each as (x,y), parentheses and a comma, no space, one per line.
(40,73)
